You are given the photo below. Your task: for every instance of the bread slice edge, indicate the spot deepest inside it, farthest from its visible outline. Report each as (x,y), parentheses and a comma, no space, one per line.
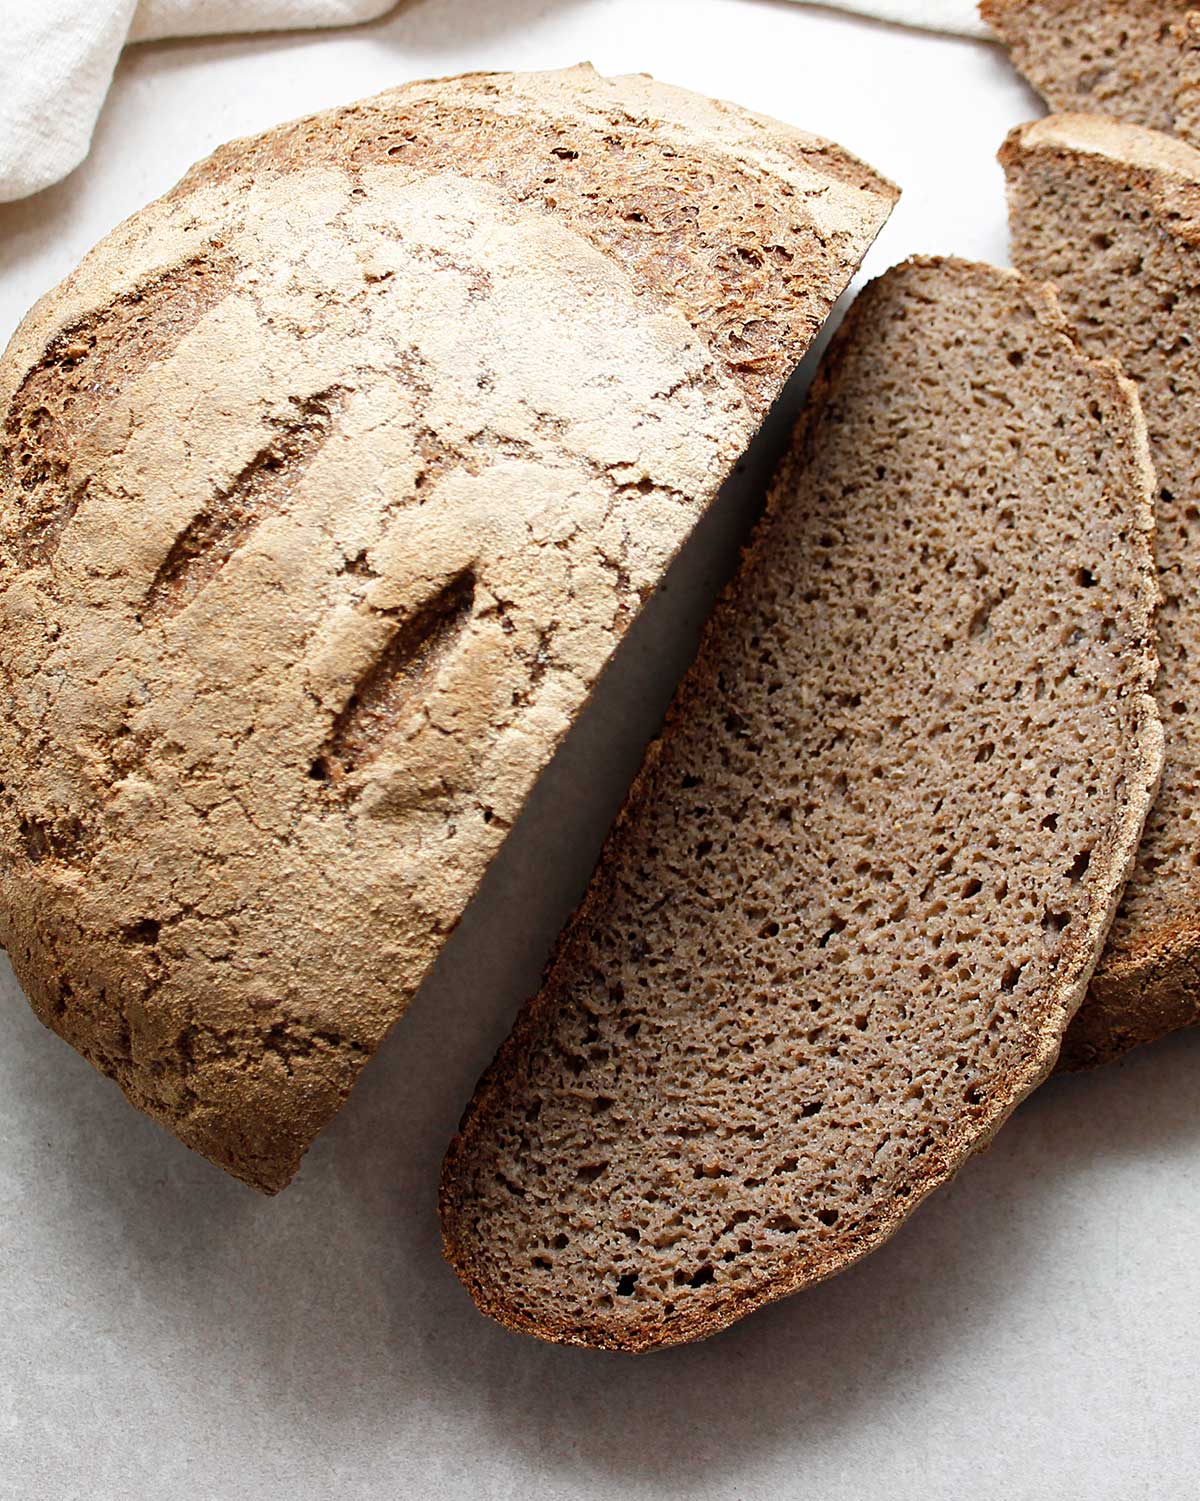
(1145,756)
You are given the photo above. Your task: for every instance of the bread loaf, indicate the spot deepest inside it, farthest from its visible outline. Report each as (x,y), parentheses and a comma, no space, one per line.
(1112,213)
(329,483)
(858,889)
(1137,60)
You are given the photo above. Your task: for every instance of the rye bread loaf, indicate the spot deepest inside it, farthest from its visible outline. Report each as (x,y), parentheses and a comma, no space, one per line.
(1111,212)
(329,483)
(859,886)
(1137,60)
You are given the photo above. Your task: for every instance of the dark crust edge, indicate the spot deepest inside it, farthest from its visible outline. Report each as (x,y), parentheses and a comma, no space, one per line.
(1134,1001)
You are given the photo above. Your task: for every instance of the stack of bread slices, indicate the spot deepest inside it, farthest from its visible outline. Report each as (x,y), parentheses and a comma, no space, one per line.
(887,862)
(287,650)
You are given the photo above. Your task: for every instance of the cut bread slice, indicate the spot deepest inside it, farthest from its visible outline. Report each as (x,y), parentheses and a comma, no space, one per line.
(861,882)
(1111,213)
(1136,61)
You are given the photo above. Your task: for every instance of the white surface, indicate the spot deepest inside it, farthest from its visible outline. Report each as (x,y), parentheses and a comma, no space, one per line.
(65,50)
(166,1335)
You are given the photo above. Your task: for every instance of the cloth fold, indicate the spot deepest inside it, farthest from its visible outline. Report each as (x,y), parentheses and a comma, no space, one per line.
(959,17)
(59,57)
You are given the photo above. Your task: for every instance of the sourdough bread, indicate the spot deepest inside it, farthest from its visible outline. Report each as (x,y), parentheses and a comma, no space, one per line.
(1137,60)
(329,483)
(859,886)
(1111,212)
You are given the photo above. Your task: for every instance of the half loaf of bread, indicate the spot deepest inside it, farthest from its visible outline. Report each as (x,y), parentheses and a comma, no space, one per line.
(328,484)
(859,887)
(1137,60)
(1111,212)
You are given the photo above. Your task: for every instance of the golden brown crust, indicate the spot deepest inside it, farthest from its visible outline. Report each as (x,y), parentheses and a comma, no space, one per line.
(1157,161)
(727,260)
(474,1157)
(329,483)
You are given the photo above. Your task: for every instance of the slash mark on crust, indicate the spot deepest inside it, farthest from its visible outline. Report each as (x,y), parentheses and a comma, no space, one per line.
(84,367)
(232,515)
(405,669)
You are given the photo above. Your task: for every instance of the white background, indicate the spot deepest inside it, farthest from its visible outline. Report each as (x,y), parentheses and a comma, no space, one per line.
(164,1333)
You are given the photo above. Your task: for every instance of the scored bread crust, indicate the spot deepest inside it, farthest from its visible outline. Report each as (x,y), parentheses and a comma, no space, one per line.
(329,482)
(484,1161)
(1148,980)
(1136,60)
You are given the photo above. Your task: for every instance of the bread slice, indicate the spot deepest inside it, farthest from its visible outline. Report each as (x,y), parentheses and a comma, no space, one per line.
(1186,122)
(1112,213)
(860,884)
(1137,60)
(329,483)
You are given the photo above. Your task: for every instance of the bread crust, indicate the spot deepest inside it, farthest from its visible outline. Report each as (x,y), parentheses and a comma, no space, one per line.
(1146,984)
(329,482)
(1151,153)
(470,1156)
(1135,1000)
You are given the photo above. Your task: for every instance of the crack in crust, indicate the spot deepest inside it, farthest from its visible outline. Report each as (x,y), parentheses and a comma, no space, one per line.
(757,279)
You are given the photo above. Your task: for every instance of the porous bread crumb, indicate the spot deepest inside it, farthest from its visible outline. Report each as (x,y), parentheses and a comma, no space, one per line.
(862,880)
(329,483)
(1135,60)
(1111,213)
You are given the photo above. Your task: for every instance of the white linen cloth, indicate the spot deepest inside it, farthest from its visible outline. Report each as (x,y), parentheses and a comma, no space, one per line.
(958,16)
(57,59)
